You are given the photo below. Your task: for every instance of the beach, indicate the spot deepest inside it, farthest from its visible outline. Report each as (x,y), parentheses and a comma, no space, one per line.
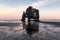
(46,32)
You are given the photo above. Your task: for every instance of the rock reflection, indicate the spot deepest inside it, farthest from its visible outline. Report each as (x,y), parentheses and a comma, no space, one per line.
(32,27)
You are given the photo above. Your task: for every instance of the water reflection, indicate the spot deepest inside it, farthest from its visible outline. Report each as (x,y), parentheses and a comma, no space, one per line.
(31,27)
(40,31)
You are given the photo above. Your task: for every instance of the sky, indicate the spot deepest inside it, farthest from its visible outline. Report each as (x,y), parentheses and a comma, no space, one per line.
(48,9)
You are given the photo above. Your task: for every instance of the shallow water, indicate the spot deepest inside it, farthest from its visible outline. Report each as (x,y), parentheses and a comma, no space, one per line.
(46,32)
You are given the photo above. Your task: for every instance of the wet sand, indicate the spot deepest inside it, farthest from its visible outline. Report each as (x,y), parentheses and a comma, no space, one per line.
(46,32)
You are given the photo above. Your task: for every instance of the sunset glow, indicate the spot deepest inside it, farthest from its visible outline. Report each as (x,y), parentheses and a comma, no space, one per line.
(48,9)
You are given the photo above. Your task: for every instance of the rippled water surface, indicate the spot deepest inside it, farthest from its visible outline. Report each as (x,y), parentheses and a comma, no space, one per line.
(46,32)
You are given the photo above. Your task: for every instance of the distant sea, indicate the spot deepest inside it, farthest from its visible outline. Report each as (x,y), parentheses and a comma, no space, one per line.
(51,20)
(19,20)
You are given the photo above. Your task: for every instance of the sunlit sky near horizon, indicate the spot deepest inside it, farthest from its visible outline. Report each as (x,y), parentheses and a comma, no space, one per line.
(48,9)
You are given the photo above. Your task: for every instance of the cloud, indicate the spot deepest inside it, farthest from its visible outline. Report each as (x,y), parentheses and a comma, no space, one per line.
(17,11)
(42,3)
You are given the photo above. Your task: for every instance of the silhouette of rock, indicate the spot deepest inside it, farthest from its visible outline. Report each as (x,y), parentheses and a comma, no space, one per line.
(31,13)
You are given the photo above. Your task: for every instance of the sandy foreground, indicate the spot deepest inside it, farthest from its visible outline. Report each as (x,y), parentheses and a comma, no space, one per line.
(46,32)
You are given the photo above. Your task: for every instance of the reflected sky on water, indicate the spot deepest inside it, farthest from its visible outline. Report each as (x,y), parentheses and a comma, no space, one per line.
(46,31)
